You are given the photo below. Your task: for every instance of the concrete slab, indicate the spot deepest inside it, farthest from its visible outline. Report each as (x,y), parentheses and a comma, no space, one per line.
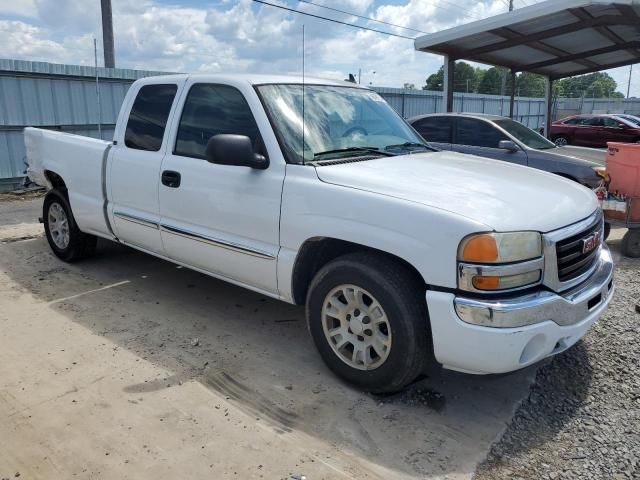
(19,209)
(101,376)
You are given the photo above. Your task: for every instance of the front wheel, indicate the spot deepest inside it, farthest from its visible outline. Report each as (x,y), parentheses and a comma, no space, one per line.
(65,238)
(561,141)
(368,318)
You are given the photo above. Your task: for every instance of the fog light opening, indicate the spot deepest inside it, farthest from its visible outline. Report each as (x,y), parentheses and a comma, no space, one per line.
(534,349)
(594,302)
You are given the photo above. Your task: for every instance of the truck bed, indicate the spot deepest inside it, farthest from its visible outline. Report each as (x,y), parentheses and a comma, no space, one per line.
(81,161)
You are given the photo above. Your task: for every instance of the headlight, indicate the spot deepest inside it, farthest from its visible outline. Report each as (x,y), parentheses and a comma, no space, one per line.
(491,262)
(500,247)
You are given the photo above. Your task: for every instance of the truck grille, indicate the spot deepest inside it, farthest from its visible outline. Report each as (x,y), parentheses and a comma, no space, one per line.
(572,262)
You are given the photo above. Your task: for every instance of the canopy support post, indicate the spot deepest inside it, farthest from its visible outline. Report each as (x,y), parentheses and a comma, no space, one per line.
(447,84)
(548,105)
(513,93)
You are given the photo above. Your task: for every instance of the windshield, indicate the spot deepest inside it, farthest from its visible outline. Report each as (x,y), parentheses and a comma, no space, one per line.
(527,136)
(338,121)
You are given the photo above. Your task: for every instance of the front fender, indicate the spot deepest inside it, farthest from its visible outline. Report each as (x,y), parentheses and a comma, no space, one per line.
(424,237)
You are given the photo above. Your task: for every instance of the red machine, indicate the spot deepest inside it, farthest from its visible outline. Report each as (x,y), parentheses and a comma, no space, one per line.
(621,204)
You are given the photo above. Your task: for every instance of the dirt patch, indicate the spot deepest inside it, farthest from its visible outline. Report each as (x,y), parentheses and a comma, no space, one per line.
(22,231)
(21,195)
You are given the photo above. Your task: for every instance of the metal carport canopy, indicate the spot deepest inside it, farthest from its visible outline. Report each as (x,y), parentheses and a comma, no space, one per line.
(557,39)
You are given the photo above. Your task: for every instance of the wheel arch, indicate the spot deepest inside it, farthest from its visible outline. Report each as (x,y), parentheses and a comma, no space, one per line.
(316,252)
(56,181)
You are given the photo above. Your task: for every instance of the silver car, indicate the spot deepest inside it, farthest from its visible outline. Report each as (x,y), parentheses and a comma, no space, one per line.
(501,138)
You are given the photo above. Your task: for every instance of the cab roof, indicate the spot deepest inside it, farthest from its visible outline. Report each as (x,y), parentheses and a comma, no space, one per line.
(251,79)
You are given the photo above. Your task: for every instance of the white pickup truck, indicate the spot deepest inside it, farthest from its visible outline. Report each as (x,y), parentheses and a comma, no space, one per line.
(318,193)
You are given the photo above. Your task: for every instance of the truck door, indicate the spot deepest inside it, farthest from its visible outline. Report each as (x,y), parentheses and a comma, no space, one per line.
(134,169)
(222,219)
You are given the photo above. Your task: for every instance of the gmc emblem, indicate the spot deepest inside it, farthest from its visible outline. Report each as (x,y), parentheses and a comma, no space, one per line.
(591,242)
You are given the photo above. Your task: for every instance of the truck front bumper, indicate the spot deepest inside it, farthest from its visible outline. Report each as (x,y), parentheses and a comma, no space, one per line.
(551,323)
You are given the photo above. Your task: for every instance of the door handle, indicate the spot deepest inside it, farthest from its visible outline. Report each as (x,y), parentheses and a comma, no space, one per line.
(171,179)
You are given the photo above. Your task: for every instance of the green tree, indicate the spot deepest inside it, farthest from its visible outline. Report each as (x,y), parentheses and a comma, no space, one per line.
(599,84)
(409,86)
(530,85)
(465,79)
(491,83)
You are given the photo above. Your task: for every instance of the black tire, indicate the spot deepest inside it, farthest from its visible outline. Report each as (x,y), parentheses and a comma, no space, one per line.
(631,244)
(80,245)
(607,230)
(401,296)
(561,140)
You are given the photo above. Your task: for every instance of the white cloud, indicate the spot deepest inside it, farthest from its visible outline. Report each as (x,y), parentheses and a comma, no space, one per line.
(21,40)
(21,8)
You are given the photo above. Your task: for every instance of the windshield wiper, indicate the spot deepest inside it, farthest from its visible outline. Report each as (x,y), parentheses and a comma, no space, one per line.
(355,149)
(409,145)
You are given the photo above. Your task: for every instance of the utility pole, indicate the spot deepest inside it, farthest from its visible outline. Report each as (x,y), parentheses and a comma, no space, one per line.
(503,86)
(629,84)
(107,34)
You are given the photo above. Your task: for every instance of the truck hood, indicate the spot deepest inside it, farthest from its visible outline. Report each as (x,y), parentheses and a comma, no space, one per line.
(502,196)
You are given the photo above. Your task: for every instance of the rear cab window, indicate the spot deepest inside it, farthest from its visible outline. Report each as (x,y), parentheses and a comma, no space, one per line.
(148,117)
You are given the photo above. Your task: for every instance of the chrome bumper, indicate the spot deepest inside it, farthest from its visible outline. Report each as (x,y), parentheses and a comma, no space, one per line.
(564,309)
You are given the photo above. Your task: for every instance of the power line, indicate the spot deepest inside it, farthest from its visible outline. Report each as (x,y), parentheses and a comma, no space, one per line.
(457,8)
(360,16)
(333,20)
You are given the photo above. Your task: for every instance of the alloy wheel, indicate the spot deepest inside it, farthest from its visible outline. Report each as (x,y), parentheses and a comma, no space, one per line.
(58,225)
(356,327)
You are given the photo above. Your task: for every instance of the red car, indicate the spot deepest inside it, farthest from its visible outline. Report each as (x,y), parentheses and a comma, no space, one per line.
(594,130)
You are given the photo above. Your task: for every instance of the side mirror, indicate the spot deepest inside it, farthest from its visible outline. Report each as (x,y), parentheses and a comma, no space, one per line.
(227,149)
(508,145)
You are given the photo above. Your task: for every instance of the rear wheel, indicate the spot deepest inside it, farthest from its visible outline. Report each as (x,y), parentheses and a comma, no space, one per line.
(561,141)
(368,318)
(631,244)
(65,238)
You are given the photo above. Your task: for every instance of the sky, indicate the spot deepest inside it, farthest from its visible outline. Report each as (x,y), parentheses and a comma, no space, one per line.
(226,36)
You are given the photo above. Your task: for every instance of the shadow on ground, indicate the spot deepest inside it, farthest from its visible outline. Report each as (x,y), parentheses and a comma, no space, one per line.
(257,352)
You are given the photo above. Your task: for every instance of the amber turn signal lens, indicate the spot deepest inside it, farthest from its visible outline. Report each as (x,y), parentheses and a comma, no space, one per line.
(481,248)
(486,283)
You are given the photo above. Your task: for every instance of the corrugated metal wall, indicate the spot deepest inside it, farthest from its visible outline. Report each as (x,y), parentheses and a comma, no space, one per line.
(529,111)
(61,97)
(64,97)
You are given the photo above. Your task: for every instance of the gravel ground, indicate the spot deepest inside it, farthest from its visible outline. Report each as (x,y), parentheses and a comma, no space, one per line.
(582,417)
